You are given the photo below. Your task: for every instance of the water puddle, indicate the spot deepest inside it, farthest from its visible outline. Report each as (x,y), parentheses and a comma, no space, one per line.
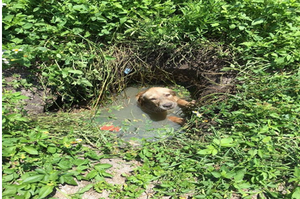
(124,118)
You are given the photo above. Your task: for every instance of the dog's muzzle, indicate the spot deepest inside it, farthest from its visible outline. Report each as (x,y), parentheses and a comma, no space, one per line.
(167,106)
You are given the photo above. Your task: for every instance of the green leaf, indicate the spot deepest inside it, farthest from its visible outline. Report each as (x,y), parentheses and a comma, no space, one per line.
(92,174)
(85,189)
(42,171)
(8,18)
(214,24)
(7,178)
(123,19)
(85,82)
(32,179)
(51,149)
(30,150)
(102,166)
(75,72)
(43,49)
(45,191)
(87,34)
(266,139)
(27,26)
(225,142)
(239,175)
(8,151)
(79,162)
(93,155)
(68,179)
(257,21)
(296,193)
(9,190)
(297,172)
(65,164)
(216,174)
(109,58)
(242,185)
(105,174)
(232,26)
(210,150)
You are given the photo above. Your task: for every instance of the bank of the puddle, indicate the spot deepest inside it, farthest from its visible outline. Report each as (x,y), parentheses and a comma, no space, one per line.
(124,118)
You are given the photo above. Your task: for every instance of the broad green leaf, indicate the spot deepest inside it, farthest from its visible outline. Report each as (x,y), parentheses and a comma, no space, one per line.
(8,151)
(10,190)
(65,164)
(242,185)
(43,49)
(79,162)
(8,18)
(68,179)
(92,174)
(102,166)
(51,149)
(85,82)
(27,25)
(214,24)
(45,191)
(257,21)
(32,179)
(239,175)
(264,129)
(122,20)
(297,172)
(105,174)
(267,139)
(210,150)
(93,155)
(232,26)
(224,142)
(216,174)
(87,34)
(85,189)
(27,194)
(7,178)
(296,193)
(30,150)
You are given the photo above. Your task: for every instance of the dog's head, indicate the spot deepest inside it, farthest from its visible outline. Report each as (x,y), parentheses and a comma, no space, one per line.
(157,99)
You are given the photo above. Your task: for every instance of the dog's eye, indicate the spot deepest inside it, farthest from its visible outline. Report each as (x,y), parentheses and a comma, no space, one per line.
(168,94)
(152,99)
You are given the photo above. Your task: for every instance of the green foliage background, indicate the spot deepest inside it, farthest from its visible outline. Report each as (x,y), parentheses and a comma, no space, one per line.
(250,143)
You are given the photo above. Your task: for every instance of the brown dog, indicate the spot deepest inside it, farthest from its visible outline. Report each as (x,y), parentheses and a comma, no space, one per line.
(156,102)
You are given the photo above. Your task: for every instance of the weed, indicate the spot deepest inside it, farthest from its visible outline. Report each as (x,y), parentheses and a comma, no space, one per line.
(244,146)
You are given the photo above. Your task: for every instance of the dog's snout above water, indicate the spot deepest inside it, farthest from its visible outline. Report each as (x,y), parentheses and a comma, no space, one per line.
(157,101)
(169,105)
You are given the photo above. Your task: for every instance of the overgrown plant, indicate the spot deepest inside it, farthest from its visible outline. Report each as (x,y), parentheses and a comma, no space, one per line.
(245,146)
(36,160)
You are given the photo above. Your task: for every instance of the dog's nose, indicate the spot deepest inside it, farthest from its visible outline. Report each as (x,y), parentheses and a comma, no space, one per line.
(167,105)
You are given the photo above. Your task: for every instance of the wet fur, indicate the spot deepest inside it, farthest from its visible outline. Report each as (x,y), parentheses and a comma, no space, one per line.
(157,101)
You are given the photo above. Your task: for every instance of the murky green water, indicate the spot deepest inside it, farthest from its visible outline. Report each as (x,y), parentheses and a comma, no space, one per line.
(124,113)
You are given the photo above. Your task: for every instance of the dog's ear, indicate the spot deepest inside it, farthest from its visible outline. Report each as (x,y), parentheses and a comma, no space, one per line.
(172,92)
(140,97)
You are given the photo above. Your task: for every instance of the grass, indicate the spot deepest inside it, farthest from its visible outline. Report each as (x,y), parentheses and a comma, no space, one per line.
(238,145)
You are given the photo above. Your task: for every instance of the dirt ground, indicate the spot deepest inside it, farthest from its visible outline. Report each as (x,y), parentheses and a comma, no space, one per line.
(118,169)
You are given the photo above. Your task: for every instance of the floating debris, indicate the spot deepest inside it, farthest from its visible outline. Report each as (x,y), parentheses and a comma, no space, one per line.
(110,128)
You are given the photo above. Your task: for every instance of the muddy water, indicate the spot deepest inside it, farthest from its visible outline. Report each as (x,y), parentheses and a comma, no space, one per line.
(124,118)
